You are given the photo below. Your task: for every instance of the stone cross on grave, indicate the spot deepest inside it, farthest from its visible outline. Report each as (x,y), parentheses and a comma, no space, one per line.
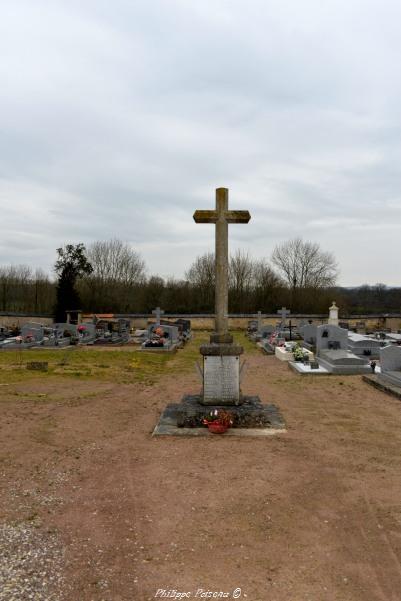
(221,217)
(158,312)
(260,317)
(284,312)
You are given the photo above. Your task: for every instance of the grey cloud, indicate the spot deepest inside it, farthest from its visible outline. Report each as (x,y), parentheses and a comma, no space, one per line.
(120,120)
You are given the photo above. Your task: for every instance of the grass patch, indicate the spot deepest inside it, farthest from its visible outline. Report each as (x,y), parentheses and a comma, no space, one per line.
(125,365)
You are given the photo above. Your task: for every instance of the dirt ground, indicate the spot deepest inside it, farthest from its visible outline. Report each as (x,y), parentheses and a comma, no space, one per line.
(93,508)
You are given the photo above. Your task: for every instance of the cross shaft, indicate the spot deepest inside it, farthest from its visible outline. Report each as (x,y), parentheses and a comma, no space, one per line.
(221,217)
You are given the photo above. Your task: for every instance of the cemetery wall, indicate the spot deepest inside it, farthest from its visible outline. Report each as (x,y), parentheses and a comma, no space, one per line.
(11,319)
(236,322)
(240,322)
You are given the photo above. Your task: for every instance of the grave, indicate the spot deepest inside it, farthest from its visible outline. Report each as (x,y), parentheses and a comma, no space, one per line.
(139,336)
(181,339)
(268,345)
(309,336)
(257,330)
(161,339)
(86,333)
(66,331)
(311,368)
(333,354)
(389,378)
(394,338)
(32,335)
(286,352)
(262,330)
(363,345)
(54,338)
(390,363)
(221,373)
(112,331)
(158,313)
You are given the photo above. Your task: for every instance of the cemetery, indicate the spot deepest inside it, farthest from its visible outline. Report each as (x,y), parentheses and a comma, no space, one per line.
(120,462)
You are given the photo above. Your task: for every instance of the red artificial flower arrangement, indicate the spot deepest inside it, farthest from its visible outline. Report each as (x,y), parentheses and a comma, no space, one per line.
(218,421)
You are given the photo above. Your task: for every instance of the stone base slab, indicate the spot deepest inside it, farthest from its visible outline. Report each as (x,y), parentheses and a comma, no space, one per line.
(185,418)
(304,370)
(162,430)
(158,349)
(220,350)
(344,370)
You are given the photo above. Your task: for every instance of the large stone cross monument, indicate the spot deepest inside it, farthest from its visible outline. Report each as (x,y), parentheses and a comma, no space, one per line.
(221,357)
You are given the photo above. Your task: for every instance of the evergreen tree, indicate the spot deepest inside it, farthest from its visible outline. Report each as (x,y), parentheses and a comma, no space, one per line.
(70,265)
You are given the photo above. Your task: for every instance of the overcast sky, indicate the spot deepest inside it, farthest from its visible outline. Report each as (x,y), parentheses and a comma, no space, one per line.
(119,119)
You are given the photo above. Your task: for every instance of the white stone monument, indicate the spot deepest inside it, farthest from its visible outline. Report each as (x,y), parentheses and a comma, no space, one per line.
(333,315)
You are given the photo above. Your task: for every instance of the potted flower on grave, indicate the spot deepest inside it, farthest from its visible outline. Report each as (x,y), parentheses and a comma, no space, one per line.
(298,353)
(218,421)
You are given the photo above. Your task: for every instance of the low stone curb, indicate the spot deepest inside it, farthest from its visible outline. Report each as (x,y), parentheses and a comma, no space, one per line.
(374,381)
(164,430)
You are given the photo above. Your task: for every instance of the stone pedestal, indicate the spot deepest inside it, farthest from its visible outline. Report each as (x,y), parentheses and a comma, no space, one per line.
(221,373)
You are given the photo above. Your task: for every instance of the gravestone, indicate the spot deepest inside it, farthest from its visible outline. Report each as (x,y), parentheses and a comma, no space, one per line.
(284,312)
(158,313)
(309,336)
(390,363)
(86,333)
(33,331)
(331,337)
(161,338)
(363,345)
(333,354)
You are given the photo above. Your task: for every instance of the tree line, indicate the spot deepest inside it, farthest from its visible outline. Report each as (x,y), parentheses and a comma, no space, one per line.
(110,276)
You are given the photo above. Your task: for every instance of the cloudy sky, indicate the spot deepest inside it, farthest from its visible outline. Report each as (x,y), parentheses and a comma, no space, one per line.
(119,119)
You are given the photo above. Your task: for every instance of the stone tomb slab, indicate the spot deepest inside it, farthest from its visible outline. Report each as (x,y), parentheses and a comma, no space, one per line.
(343,362)
(304,370)
(251,418)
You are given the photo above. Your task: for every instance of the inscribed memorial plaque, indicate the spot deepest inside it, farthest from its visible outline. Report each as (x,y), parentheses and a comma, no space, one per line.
(221,379)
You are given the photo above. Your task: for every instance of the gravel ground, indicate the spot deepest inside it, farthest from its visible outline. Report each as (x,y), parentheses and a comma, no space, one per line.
(30,564)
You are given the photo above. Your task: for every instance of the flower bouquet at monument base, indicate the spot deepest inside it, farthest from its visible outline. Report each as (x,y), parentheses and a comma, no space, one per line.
(218,421)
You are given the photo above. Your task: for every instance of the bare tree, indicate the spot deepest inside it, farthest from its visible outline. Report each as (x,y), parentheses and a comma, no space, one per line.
(201,276)
(118,271)
(267,286)
(304,266)
(115,261)
(240,280)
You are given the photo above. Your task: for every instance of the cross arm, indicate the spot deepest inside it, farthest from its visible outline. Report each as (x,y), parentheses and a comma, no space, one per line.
(237,216)
(205,216)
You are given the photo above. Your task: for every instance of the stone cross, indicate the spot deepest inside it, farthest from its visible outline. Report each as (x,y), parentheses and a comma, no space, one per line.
(284,312)
(221,217)
(260,320)
(158,312)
